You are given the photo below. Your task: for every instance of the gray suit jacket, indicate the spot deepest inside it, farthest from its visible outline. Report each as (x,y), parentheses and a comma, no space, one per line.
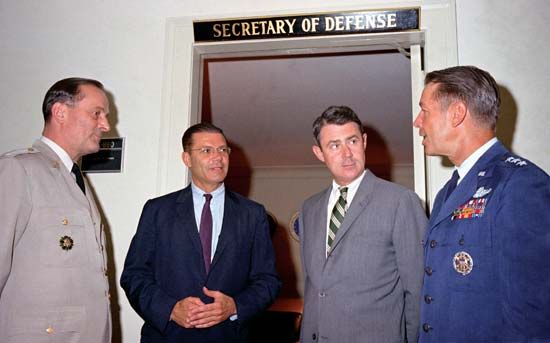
(368,288)
(49,294)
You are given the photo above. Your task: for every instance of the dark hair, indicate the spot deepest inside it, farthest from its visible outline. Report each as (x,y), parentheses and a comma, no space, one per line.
(65,91)
(338,115)
(186,139)
(471,85)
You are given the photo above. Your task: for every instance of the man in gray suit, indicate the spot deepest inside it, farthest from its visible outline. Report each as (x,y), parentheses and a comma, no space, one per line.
(53,279)
(360,242)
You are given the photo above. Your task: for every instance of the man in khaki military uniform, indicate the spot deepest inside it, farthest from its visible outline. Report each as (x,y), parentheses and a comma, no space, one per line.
(53,283)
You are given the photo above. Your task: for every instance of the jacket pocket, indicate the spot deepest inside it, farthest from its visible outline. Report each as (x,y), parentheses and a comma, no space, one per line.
(63,240)
(37,326)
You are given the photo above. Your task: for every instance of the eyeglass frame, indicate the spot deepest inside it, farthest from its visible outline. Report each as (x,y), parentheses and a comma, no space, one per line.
(209,150)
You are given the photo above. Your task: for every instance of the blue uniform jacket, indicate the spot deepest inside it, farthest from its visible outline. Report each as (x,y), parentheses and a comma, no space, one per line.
(165,264)
(487,255)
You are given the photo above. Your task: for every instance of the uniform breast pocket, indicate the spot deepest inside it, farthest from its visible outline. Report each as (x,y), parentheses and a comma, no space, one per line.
(63,241)
(475,232)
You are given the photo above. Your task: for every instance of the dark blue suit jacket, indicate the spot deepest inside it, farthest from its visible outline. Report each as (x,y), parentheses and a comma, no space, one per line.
(499,216)
(165,264)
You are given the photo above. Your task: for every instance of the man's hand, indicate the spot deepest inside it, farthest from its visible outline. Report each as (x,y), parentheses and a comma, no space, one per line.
(211,314)
(182,310)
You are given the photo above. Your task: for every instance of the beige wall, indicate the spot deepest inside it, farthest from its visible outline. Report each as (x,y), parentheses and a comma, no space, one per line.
(123,44)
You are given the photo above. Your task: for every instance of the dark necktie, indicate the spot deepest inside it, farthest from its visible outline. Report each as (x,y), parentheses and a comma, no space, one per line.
(205,231)
(452,184)
(79,178)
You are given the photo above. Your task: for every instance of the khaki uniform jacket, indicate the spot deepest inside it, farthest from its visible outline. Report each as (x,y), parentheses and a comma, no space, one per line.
(49,291)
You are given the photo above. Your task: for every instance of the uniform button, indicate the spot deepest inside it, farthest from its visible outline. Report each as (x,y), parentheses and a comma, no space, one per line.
(49,329)
(461,241)
(433,243)
(322,294)
(428,299)
(65,221)
(426,327)
(314,337)
(428,270)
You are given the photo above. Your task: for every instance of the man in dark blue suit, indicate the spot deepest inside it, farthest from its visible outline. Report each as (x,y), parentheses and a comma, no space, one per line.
(201,263)
(487,274)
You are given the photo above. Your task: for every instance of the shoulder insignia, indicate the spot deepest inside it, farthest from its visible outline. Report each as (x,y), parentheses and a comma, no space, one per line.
(20,152)
(516,161)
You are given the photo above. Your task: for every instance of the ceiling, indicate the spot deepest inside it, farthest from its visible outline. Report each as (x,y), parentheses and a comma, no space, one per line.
(266,105)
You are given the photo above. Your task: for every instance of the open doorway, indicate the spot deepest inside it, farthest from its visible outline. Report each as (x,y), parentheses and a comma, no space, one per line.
(289,185)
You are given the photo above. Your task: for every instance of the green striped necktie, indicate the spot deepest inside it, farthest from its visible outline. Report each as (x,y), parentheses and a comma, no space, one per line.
(337,217)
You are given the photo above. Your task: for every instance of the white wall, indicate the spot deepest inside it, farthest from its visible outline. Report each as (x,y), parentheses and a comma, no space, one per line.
(122,43)
(511,39)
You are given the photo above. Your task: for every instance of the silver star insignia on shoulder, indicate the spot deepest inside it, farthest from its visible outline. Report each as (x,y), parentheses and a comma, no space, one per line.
(516,160)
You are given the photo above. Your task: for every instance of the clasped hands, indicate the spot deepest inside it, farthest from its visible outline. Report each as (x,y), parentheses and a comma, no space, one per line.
(191,312)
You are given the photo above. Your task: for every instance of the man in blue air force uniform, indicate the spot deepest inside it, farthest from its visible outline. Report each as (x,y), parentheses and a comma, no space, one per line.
(487,275)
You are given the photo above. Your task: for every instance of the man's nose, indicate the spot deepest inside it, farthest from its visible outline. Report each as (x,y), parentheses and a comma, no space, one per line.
(347,150)
(104,124)
(417,121)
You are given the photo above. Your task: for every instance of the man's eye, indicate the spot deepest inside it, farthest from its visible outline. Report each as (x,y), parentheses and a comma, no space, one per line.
(353,141)
(206,151)
(334,146)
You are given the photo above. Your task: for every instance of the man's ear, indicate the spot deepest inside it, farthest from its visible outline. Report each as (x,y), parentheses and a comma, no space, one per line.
(458,111)
(318,153)
(59,112)
(186,158)
(364,141)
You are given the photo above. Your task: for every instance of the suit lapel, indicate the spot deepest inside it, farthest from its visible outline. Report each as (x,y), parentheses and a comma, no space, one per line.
(357,206)
(186,220)
(231,221)
(461,194)
(318,235)
(467,187)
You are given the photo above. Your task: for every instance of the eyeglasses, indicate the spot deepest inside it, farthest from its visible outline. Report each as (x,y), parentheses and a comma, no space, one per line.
(208,150)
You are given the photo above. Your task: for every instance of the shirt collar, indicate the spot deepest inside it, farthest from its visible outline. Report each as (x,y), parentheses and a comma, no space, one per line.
(215,193)
(352,186)
(60,152)
(468,163)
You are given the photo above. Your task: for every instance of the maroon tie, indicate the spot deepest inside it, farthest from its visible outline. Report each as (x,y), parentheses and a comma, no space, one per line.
(205,232)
